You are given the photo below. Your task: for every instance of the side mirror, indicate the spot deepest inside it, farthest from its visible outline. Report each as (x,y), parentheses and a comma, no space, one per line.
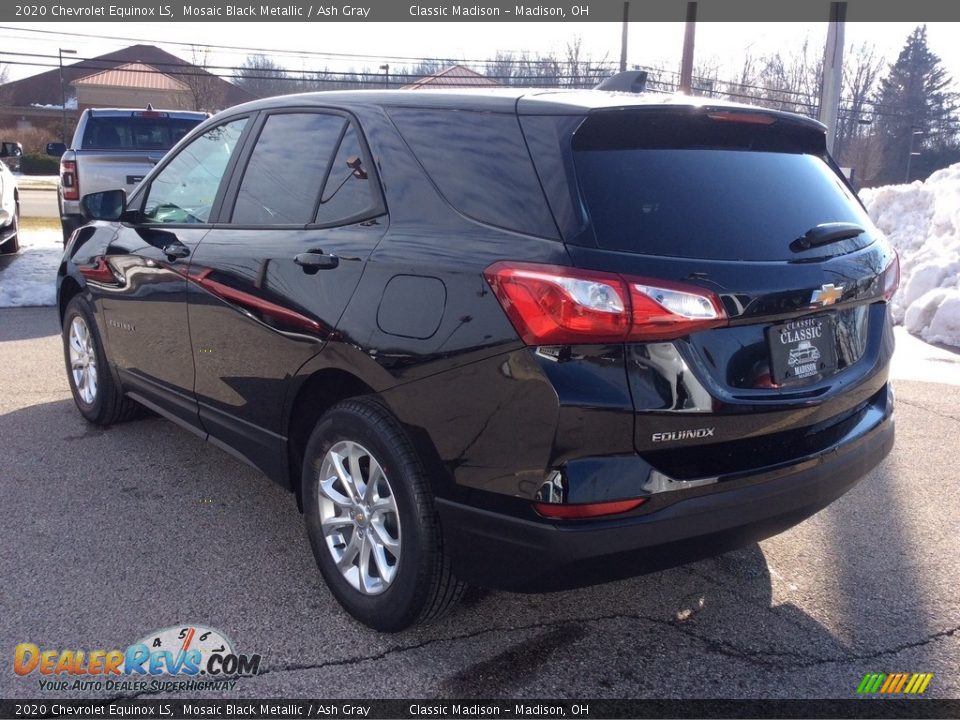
(56,149)
(10,149)
(106,205)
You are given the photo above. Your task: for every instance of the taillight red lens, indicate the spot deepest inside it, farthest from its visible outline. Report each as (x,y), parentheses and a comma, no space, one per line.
(68,180)
(891,277)
(588,510)
(669,310)
(555,305)
(552,305)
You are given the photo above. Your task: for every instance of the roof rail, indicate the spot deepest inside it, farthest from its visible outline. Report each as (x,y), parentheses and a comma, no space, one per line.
(634,81)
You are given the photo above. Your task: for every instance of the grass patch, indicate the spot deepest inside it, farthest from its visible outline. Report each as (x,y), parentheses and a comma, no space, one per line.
(25,182)
(33,224)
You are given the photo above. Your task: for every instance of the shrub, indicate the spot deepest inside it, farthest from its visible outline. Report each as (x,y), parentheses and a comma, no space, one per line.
(39,164)
(34,139)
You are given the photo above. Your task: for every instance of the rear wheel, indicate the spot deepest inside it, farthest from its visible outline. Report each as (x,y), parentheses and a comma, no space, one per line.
(371,519)
(12,244)
(96,394)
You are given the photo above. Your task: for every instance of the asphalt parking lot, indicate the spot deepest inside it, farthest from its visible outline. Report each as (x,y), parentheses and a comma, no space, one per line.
(109,534)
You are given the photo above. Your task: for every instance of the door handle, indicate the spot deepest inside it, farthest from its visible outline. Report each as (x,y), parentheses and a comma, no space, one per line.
(175,251)
(313,260)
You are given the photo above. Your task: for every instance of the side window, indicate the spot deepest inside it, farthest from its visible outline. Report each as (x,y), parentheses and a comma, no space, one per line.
(288,165)
(184,191)
(347,193)
(480,164)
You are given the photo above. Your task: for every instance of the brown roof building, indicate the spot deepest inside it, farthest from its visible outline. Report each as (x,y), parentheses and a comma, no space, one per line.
(455,76)
(131,77)
(130,85)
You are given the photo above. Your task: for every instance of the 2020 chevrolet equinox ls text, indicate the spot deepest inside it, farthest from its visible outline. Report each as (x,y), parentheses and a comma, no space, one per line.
(521,339)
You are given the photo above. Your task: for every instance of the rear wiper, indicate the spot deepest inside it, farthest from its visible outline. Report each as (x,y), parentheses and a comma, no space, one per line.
(826,233)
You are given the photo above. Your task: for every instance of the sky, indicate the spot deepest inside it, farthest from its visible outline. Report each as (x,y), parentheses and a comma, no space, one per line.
(650,44)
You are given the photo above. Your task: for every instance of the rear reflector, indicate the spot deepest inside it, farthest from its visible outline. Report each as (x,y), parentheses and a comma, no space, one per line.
(588,510)
(555,305)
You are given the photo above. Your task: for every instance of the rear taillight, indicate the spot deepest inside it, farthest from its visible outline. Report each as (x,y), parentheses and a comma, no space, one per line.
(555,305)
(891,277)
(68,180)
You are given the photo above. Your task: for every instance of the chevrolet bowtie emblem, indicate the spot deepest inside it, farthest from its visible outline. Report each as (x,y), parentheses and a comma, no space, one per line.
(826,295)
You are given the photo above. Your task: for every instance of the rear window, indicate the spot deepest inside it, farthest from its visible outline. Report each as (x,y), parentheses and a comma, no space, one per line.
(707,189)
(135,133)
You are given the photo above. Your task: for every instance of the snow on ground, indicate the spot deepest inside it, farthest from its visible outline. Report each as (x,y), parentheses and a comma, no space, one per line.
(922,220)
(30,277)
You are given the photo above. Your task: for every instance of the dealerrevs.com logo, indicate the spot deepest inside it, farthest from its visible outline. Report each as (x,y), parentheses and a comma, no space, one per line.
(179,658)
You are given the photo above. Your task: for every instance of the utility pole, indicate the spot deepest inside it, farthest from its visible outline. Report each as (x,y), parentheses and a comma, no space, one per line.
(832,71)
(623,37)
(386,75)
(686,64)
(63,93)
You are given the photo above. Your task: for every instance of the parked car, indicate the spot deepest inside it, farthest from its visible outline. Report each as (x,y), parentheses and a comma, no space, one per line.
(520,339)
(9,211)
(10,154)
(114,149)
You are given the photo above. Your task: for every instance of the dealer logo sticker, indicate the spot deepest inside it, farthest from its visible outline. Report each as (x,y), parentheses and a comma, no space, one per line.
(179,658)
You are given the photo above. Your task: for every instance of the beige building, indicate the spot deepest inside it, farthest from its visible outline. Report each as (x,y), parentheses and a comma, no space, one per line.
(132,85)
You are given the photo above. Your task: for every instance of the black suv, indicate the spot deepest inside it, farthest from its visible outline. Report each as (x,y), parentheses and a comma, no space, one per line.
(527,340)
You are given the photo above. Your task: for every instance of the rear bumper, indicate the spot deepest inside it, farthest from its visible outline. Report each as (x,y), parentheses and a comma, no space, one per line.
(497,550)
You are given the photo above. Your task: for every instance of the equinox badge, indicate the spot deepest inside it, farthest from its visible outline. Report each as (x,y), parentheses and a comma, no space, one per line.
(682,435)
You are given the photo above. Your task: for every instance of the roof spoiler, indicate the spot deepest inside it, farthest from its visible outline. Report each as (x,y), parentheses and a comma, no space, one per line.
(634,81)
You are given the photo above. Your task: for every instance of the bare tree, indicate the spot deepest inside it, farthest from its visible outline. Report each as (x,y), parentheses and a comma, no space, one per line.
(207,91)
(4,78)
(261,76)
(706,77)
(782,81)
(861,71)
(581,70)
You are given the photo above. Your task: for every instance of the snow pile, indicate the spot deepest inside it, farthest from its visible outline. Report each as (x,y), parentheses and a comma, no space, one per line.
(30,278)
(922,220)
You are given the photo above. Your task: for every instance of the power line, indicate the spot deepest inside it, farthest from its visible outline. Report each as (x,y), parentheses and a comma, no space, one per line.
(293,53)
(781,97)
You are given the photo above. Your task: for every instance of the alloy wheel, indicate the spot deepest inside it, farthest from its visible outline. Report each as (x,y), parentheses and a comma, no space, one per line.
(83,360)
(359,517)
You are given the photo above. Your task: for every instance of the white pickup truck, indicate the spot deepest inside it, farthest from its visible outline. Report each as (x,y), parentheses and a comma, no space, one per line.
(114,149)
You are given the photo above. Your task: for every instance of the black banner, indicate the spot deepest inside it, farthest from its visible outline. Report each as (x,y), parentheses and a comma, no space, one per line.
(488,11)
(480,709)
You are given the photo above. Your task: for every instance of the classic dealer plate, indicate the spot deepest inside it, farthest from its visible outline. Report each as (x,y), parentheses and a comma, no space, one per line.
(802,349)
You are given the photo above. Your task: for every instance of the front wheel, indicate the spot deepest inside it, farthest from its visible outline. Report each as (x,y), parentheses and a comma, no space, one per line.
(371,520)
(96,394)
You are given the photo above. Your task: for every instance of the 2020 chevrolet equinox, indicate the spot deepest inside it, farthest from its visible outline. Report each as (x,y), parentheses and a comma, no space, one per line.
(520,339)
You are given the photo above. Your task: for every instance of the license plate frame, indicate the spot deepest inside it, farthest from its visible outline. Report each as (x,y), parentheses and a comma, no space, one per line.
(802,350)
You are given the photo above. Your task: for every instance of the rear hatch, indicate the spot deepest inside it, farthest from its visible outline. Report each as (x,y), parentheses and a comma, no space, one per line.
(744,235)
(119,148)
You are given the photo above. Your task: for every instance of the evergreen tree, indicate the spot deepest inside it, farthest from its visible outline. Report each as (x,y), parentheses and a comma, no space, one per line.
(916,108)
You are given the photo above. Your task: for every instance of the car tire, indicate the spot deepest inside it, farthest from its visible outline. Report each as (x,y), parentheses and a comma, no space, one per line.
(382,552)
(11,245)
(95,391)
